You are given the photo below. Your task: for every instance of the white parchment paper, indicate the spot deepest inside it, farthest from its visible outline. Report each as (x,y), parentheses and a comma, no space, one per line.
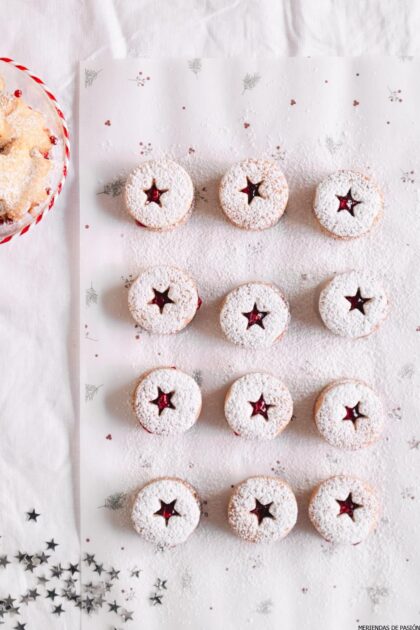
(313,116)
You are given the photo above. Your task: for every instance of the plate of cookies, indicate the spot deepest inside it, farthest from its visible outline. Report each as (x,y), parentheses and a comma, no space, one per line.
(34,149)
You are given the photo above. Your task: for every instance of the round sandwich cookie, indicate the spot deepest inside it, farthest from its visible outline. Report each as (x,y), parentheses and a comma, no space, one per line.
(163,299)
(166,511)
(159,194)
(347,204)
(255,315)
(253,194)
(258,406)
(353,304)
(344,509)
(349,414)
(167,401)
(262,509)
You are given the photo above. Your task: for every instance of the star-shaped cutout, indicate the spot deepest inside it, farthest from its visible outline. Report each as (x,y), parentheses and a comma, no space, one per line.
(161,299)
(33,594)
(167,510)
(262,511)
(251,189)
(113,574)
(163,400)
(32,515)
(20,626)
(58,610)
(57,571)
(21,556)
(51,544)
(161,584)
(99,568)
(260,407)
(127,615)
(357,302)
(135,573)
(42,558)
(347,203)
(255,317)
(348,506)
(353,414)
(154,193)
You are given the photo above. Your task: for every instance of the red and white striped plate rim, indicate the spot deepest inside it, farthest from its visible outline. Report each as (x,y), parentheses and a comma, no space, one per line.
(65,133)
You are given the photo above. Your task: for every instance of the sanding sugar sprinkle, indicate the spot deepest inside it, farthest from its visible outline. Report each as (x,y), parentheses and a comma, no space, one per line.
(163,299)
(262,509)
(353,304)
(349,414)
(344,509)
(347,204)
(159,194)
(254,315)
(254,193)
(166,511)
(258,406)
(167,401)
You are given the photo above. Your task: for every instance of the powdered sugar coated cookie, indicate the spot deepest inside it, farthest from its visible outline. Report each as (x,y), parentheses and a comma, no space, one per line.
(159,194)
(166,511)
(167,401)
(258,406)
(344,509)
(349,414)
(353,304)
(262,509)
(254,193)
(347,204)
(163,299)
(254,315)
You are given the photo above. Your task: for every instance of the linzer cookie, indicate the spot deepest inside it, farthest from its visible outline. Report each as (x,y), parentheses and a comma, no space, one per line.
(25,160)
(258,406)
(167,401)
(347,204)
(253,194)
(166,511)
(353,304)
(163,299)
(255,315)
(159,194)
(349,414)
(344,509)
(262,509)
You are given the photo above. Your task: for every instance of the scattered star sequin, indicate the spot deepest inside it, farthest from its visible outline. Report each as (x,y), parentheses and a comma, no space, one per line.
(32,516)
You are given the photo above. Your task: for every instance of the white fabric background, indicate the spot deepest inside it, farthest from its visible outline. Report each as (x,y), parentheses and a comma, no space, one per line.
(39,272)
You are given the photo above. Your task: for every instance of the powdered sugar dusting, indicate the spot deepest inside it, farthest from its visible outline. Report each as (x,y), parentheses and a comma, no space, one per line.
(265,210)
(267,490)
(185,401)
(335,310)
(330,409)
(238,408)
(268,299)
(343,224)
(176,314)
(175,202)
(324,511)
(153,527)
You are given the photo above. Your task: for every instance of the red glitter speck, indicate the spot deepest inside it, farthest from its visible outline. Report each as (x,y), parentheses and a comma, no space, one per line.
(17,93)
